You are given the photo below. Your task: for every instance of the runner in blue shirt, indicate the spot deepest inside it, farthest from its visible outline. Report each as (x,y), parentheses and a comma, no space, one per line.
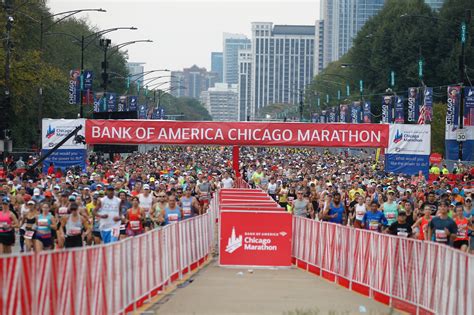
(374,220)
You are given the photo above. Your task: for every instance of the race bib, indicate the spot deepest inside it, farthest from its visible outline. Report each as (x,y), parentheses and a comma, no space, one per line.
(116,232)
(3,225)
(291,198)
(75,231)
(373,225)
(29,234)
(62,210)
(172,217)
(187,212)
(43,222)
(441,236)
(403,234)
(462,231)
(390,215)
(135,225)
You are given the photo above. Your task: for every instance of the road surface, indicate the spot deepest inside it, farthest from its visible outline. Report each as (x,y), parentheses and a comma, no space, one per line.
(216,290)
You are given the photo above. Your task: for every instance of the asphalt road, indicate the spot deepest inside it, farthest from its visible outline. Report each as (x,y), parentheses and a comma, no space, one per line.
(216,290)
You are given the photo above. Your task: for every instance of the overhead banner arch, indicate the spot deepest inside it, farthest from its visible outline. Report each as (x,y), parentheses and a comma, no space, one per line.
(236,133)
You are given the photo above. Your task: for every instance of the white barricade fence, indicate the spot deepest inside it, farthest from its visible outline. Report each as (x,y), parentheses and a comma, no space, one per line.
(105,279)
(411,275)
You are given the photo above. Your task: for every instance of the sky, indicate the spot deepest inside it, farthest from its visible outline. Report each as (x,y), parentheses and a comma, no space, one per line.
(185,32)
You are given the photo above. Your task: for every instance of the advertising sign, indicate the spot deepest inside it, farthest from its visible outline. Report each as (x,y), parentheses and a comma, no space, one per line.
(111,102)
(452,110)
(469,106)
(413,104)
(142,111)
(387,109)
(344,113)
(74,86)
(426,109)
(323,117)
(88,77)
(399,112)
(355,113)
(367,115)
(132,103)
(54,130)
(332,115)
(236,133)
(245,241)
(122,103)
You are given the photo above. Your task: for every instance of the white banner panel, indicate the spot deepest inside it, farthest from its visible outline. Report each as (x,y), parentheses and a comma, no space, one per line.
(54,130)
(409,139)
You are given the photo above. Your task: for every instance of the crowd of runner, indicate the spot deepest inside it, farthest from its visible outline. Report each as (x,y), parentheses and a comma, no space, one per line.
(112,200)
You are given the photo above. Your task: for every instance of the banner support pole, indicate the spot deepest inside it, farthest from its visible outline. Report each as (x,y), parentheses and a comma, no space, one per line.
(236,160)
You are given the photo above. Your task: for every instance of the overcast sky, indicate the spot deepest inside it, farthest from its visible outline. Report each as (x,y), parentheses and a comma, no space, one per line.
(185,32)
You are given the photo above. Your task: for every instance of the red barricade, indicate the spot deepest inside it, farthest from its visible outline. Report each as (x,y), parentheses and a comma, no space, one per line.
(410,275)
(106,279)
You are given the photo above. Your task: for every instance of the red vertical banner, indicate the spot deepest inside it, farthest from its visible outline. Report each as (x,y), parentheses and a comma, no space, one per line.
(236,160)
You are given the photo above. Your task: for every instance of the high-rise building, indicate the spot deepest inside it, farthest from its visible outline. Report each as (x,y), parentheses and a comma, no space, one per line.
(245,83)
(319,47)
(435,4)
(282,64)
(342,20)
(191,82)
(135,70)
(231,45)
(217,65)
(221,102)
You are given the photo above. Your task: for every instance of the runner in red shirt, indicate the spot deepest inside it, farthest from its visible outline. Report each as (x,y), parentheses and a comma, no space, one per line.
(462,240)
(422,223)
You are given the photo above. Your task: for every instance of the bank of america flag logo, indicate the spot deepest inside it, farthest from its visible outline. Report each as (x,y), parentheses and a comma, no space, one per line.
(234,242)
(50,132)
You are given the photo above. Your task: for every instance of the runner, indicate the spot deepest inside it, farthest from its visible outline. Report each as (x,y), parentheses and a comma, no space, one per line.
(8,223)
(134,217)
(74,225)
(159,208)
(390,208)
(46,224)
(359,210)
(124,206)
(108,209)
(29,225)
(401,227)
(172,213)
(463,224)
(334,210)
(421,225)
(442,229)
(189,204)
(204,192)
(374,220)
(146,202)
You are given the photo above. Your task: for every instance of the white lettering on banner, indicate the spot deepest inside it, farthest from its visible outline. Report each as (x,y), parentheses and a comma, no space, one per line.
(339,136)
(409,139)
(261,244)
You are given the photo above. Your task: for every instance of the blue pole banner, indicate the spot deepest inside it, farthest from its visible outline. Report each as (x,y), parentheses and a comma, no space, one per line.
(315,118)
(387,109)
(413,104)
(399,112)
(142,111)
(332,115)
(367,115)
(344,113)
(111,99)
(132,103)
(88,79)
(452,111)
(162,113)
(469,106)
(122,103)
(323,117)
(426,110)
(355,113)
(74,86)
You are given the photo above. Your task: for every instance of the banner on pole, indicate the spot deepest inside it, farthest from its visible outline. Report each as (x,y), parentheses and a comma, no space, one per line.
(355,113)
(122,103)
(88,78)
(74,86)
(132,103)
(413,104)
(426,109)
(399,112)
(111,99)
(387,109)
(367,115)
(469,106)
(344,113)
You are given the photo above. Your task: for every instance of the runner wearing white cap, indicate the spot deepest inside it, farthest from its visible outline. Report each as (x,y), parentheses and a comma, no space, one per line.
(146,202)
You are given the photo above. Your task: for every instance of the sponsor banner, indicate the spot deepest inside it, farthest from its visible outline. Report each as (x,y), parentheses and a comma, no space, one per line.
(399,111)
(245,241)
(142,111)
(469,106)
(452,111)
(332,118)
(387,109)
(74,86)
(323,117)
(122,104)
(315,118)
(132,103)
(88,78)
(66,158)
(155,113)
(436,158)
(413,105)
(355,113)
(452,147)
(344,113)
(410,139)
(407,164)
(426,110)
(88,97)
(54,130)
(111,102)
(236,133)
(367,115)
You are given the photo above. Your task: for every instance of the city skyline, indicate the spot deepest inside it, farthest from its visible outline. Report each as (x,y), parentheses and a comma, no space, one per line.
(172,46)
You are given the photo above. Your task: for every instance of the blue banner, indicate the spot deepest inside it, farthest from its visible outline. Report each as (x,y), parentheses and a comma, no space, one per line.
(367,115)
(74,86)
(413,105)
(122,104)
(399,112)
(344,113)
(355,113)
(407,164)
(111,99)
(132,103)
(452,111)
(142,112)
(387,109)
(66,158)
(469,106)
(332,115)
(88,78)
(315,118)
(426,110)
(323,117)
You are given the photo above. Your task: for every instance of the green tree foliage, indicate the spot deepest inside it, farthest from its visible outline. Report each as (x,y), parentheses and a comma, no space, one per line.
(394,40)
(437,128)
